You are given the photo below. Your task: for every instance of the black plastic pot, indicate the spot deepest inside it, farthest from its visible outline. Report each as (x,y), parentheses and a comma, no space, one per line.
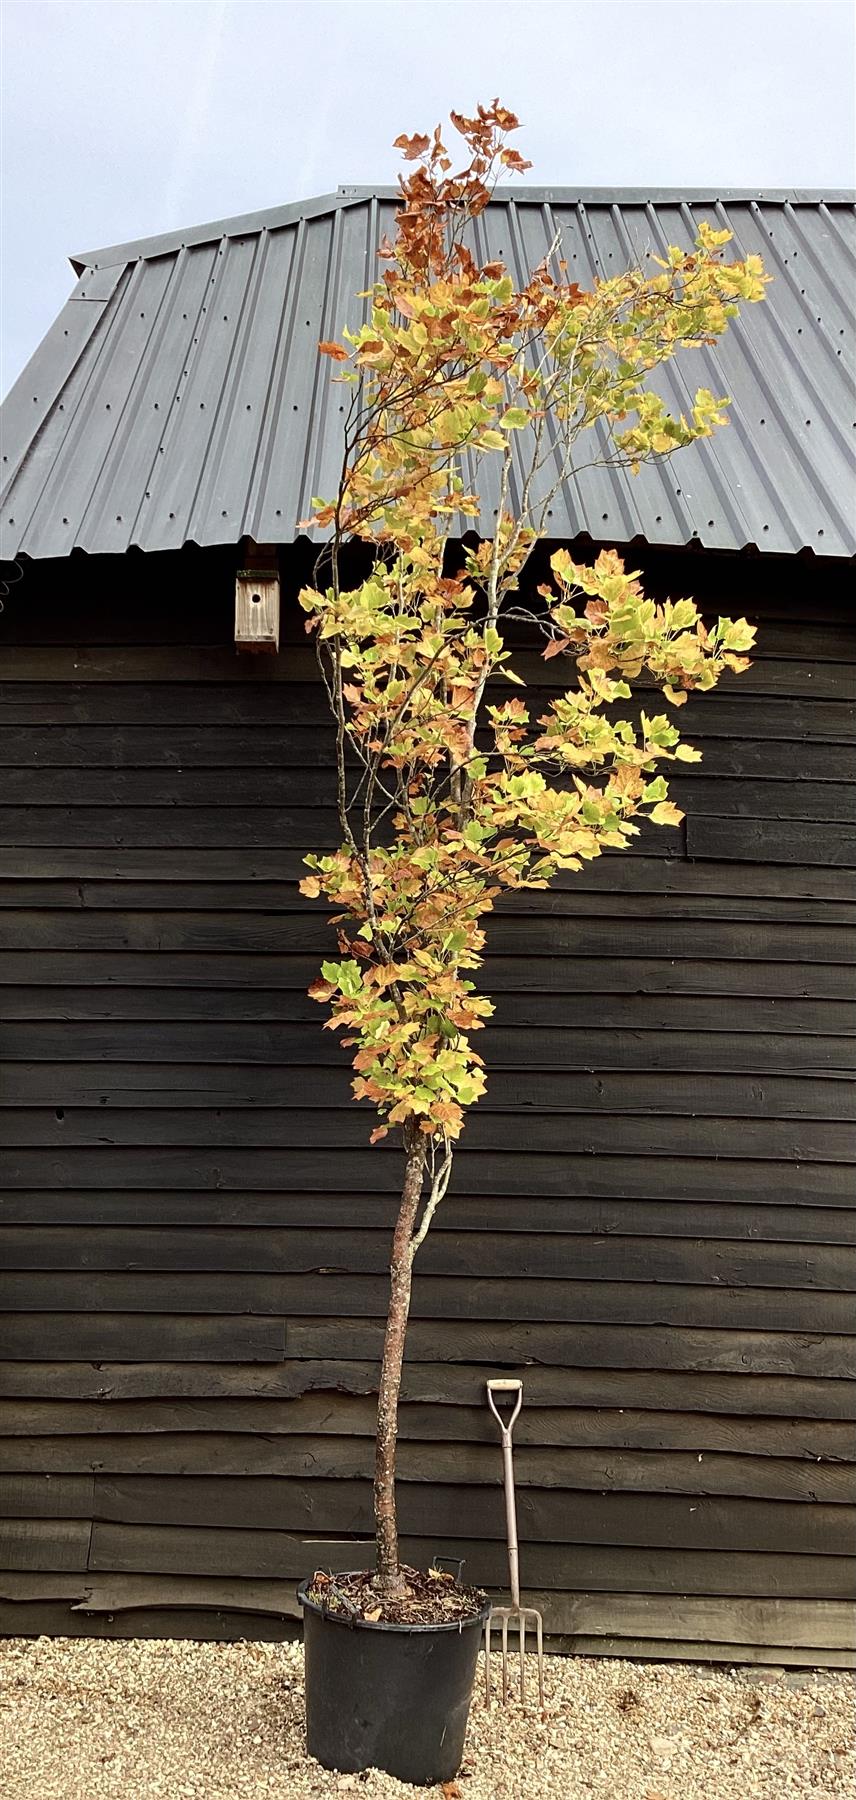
(392,1697)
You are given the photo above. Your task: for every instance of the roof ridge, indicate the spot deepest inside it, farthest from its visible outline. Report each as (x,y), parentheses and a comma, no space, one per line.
(274,218)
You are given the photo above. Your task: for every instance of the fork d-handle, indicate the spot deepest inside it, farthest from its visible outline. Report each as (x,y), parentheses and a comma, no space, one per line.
(506,1389)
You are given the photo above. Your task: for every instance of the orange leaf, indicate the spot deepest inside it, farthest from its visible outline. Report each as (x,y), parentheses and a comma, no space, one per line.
(556,647)
(513,160)
(412,147)
(337,351)
(321,989)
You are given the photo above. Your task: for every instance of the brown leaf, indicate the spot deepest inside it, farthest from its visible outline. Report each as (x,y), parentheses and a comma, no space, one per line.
(450,1790)
(512,159)
(372,1615)
(411,147)
(320,989)
(337,351)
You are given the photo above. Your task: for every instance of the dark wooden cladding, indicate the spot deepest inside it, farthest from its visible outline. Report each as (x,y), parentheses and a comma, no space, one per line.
(260,1128)
(442,1384)
(473,1254)
(189,1060)
(561,1176)
(287,933)
(652,1219)
(712,1220)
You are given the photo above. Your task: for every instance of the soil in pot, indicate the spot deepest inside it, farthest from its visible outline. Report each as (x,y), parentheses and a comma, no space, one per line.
(389,1683)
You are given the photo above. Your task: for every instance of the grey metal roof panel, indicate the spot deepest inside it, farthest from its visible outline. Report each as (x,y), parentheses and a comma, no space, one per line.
(180,396)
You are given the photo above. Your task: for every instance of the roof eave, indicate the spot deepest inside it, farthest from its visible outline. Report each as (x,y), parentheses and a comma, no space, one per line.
(274,218)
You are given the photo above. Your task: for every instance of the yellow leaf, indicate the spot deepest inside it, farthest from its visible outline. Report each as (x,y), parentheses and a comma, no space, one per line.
(664,813)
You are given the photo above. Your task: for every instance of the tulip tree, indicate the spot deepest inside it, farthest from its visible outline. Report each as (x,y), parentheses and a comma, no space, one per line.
(452,787)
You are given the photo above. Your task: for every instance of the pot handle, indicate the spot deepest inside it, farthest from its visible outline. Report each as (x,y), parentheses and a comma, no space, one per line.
(456,1562)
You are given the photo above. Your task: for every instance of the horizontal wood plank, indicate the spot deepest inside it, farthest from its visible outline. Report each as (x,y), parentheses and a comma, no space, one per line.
(559,1132)
(461,1255)
(612,874)
(46,1496)
(328,1292)
(143,1338)
(738,1220)
(348,1459)
(44,1544)
(534,1084)
(303,933)
(451,1510)
(266,785)
(505,975)
(254,703)
(84,1336)
(771,840)
(572,1173)
(605,1345)
(737,1394)
(224,1024)
(797,677)
(326,1414)
(798,753)
(159,1549)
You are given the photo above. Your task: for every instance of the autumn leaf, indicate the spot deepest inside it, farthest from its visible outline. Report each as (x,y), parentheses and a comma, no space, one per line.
(411,147)
(337,351)
(321,989)
(512,159)
(664,813)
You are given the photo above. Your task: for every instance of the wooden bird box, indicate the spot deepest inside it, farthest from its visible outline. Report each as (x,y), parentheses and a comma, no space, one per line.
(257,602)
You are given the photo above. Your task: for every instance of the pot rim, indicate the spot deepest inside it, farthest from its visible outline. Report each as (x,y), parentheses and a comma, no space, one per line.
(457,1625)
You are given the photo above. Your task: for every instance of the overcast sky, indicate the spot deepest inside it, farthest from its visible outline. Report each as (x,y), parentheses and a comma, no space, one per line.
(122,118)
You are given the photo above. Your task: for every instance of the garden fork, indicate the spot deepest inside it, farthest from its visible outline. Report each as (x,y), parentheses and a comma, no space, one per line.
(504,1615)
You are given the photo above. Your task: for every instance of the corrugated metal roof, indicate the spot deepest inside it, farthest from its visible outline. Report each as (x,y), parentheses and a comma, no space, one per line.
(180,397)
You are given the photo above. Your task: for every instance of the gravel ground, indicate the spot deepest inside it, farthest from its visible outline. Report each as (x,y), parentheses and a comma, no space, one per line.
(82,1719)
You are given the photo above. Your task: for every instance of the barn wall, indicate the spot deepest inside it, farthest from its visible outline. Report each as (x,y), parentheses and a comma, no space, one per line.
(652,1219)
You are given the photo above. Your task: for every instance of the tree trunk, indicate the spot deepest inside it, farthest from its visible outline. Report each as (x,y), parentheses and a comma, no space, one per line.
(388,1576)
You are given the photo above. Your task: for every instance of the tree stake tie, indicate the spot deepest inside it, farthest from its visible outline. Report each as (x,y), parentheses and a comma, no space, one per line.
(503,1616)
